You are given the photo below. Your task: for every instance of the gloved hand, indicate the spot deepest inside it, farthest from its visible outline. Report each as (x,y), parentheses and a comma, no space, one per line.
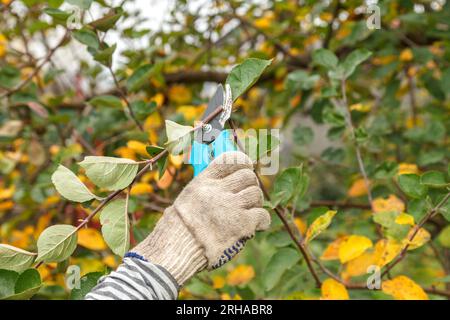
(210,220)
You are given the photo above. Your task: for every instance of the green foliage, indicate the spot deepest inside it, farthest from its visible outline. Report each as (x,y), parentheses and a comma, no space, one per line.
(15,259)
(56,243)
(110,173)
(244,75)
(70,187)
(87,283)
(15,286)
(115,226)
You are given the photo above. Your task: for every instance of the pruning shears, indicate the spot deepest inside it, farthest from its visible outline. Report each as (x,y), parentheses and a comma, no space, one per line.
(212,140)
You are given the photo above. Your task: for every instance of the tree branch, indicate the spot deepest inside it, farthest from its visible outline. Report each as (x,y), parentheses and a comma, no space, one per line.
(416,229)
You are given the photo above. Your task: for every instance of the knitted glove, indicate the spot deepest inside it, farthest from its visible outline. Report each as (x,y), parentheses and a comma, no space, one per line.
(210,220)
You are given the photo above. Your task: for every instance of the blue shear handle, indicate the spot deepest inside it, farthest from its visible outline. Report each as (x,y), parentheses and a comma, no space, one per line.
(200,153)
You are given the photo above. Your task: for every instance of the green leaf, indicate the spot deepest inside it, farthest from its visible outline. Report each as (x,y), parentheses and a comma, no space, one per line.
(56,243)
(15,286)
(244,75)
(325,58)
(139,77)
(105,56)
(142,109)
(281,261)
(27,285)
(116,227)
(291,183)
(8,280)
(410,185)
(108,21)
(87,283)
(153,151)
(106,101)
(15,259)
(82,4)
(87,37)
(353,60)
(57,15)
(303,135)
(70,187)
(178,137)
(444,237)
(392,229)
(434,179)
(109,172)
(301,79)
(9,77)
(319,225)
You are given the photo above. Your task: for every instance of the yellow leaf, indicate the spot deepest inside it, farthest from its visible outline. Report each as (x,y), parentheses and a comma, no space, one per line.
(353,247)
(3,43)
(158,98)
(406,55)
(138,147)
(226,296)
(7,193)
(125,152)
(422,236)
(6,205)
(359,265)
(380,61)
(218,282)
(265,21)
(242,274)
(404,218)
(166,180)
(88,265)
(403,288)
(91,239)
(190,113)
(332,251)
(333,290)
(180,94)
(360,107)
(110,261)
(153,121)
(177,161)
(386,250)
(149,176)
(43,223)
(301,225)
(357,189)
(405,168)
(319,225)
(392,203)
(141,188)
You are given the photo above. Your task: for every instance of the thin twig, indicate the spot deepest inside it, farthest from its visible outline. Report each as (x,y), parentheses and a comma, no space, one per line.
(359,159)
(416,229)
(279,211)
(37,69)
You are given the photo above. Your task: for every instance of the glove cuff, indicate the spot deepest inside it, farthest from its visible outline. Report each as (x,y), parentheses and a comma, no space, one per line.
(172,246)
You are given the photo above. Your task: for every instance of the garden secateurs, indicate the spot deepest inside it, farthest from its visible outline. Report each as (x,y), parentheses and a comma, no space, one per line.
(212,140)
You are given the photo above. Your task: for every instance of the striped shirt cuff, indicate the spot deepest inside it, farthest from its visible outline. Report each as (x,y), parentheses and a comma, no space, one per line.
(136,280)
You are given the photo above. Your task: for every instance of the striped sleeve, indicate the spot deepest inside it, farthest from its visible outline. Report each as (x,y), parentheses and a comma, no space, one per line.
(136,279)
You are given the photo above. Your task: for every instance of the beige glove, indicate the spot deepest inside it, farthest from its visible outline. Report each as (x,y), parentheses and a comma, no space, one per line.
(210,220)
